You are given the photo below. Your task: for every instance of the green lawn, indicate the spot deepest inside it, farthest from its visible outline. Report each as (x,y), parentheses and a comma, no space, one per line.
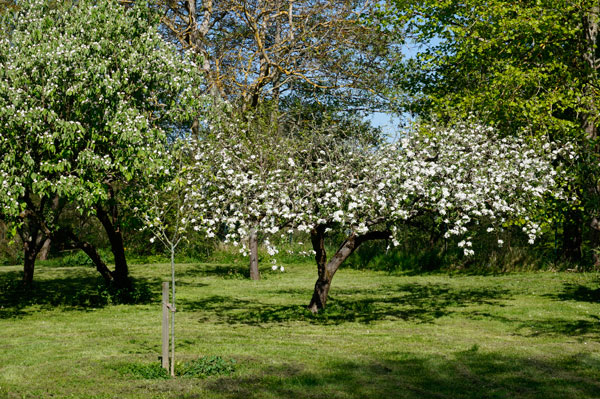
(526,335)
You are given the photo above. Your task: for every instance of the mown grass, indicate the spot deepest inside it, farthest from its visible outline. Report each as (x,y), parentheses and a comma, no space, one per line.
(522,335)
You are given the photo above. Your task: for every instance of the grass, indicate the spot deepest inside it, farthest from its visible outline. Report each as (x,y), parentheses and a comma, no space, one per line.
(521,335)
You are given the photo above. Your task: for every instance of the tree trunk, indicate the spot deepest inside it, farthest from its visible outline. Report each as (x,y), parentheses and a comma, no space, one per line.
(319,297)
(325,269)
(595,225)
(588,119)
(253,247)
(121,273)
(45,249)
(91,252)
(32,239)
(30,254)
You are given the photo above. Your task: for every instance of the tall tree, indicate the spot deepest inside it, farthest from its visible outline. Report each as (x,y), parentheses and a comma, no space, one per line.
(253,50)
(525,67)
(257,52)
(88,93)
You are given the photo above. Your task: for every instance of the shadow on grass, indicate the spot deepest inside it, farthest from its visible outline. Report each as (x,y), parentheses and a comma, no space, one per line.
(227,271)
(411,302)
(76,289)
(577,292)
(555,326)
(467,374)
(584,329)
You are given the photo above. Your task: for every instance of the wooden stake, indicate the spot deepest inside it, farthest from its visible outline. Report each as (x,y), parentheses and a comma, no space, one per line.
(165,325)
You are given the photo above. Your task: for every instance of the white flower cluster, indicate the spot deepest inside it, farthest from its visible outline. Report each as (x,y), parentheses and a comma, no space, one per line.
(464,175)
(86,91)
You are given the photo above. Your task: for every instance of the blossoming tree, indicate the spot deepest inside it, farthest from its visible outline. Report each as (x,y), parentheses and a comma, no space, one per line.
(464,175)
(88,94)
(238,182)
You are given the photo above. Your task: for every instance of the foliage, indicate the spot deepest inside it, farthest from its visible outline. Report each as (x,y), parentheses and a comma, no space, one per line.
(88,94)
(518,65)
(524,67)
(79,104)
(464,178)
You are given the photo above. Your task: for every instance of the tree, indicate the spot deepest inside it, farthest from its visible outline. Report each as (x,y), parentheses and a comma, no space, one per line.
(167,210)
(236,169)
(525,67)
(88,94)
(462,176)
(257,53)
(256,50)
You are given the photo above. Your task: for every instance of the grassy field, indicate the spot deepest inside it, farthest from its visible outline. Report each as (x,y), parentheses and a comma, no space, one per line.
(526,335)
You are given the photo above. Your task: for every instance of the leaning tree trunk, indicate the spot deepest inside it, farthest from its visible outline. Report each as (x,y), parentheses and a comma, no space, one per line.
(326,269)
(253,247)
(45,249)
(92,253)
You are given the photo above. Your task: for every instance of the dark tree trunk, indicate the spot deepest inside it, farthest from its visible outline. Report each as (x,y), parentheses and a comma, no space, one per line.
(319,298)
(34,230)
(326,269)
(91,252)
(121,273)
(30,254)
(595,225)
(253,247)
(32,238)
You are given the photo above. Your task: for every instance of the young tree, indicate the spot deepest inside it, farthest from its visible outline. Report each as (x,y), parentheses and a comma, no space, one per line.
(88,94)
(166,209)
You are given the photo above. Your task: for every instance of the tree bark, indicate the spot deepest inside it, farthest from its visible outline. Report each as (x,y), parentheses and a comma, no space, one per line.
(121,273)
(30,254)
(32,238)
(326,269)
(45,249)
(595,225)
(321,291)
(91,252)
(253,247)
